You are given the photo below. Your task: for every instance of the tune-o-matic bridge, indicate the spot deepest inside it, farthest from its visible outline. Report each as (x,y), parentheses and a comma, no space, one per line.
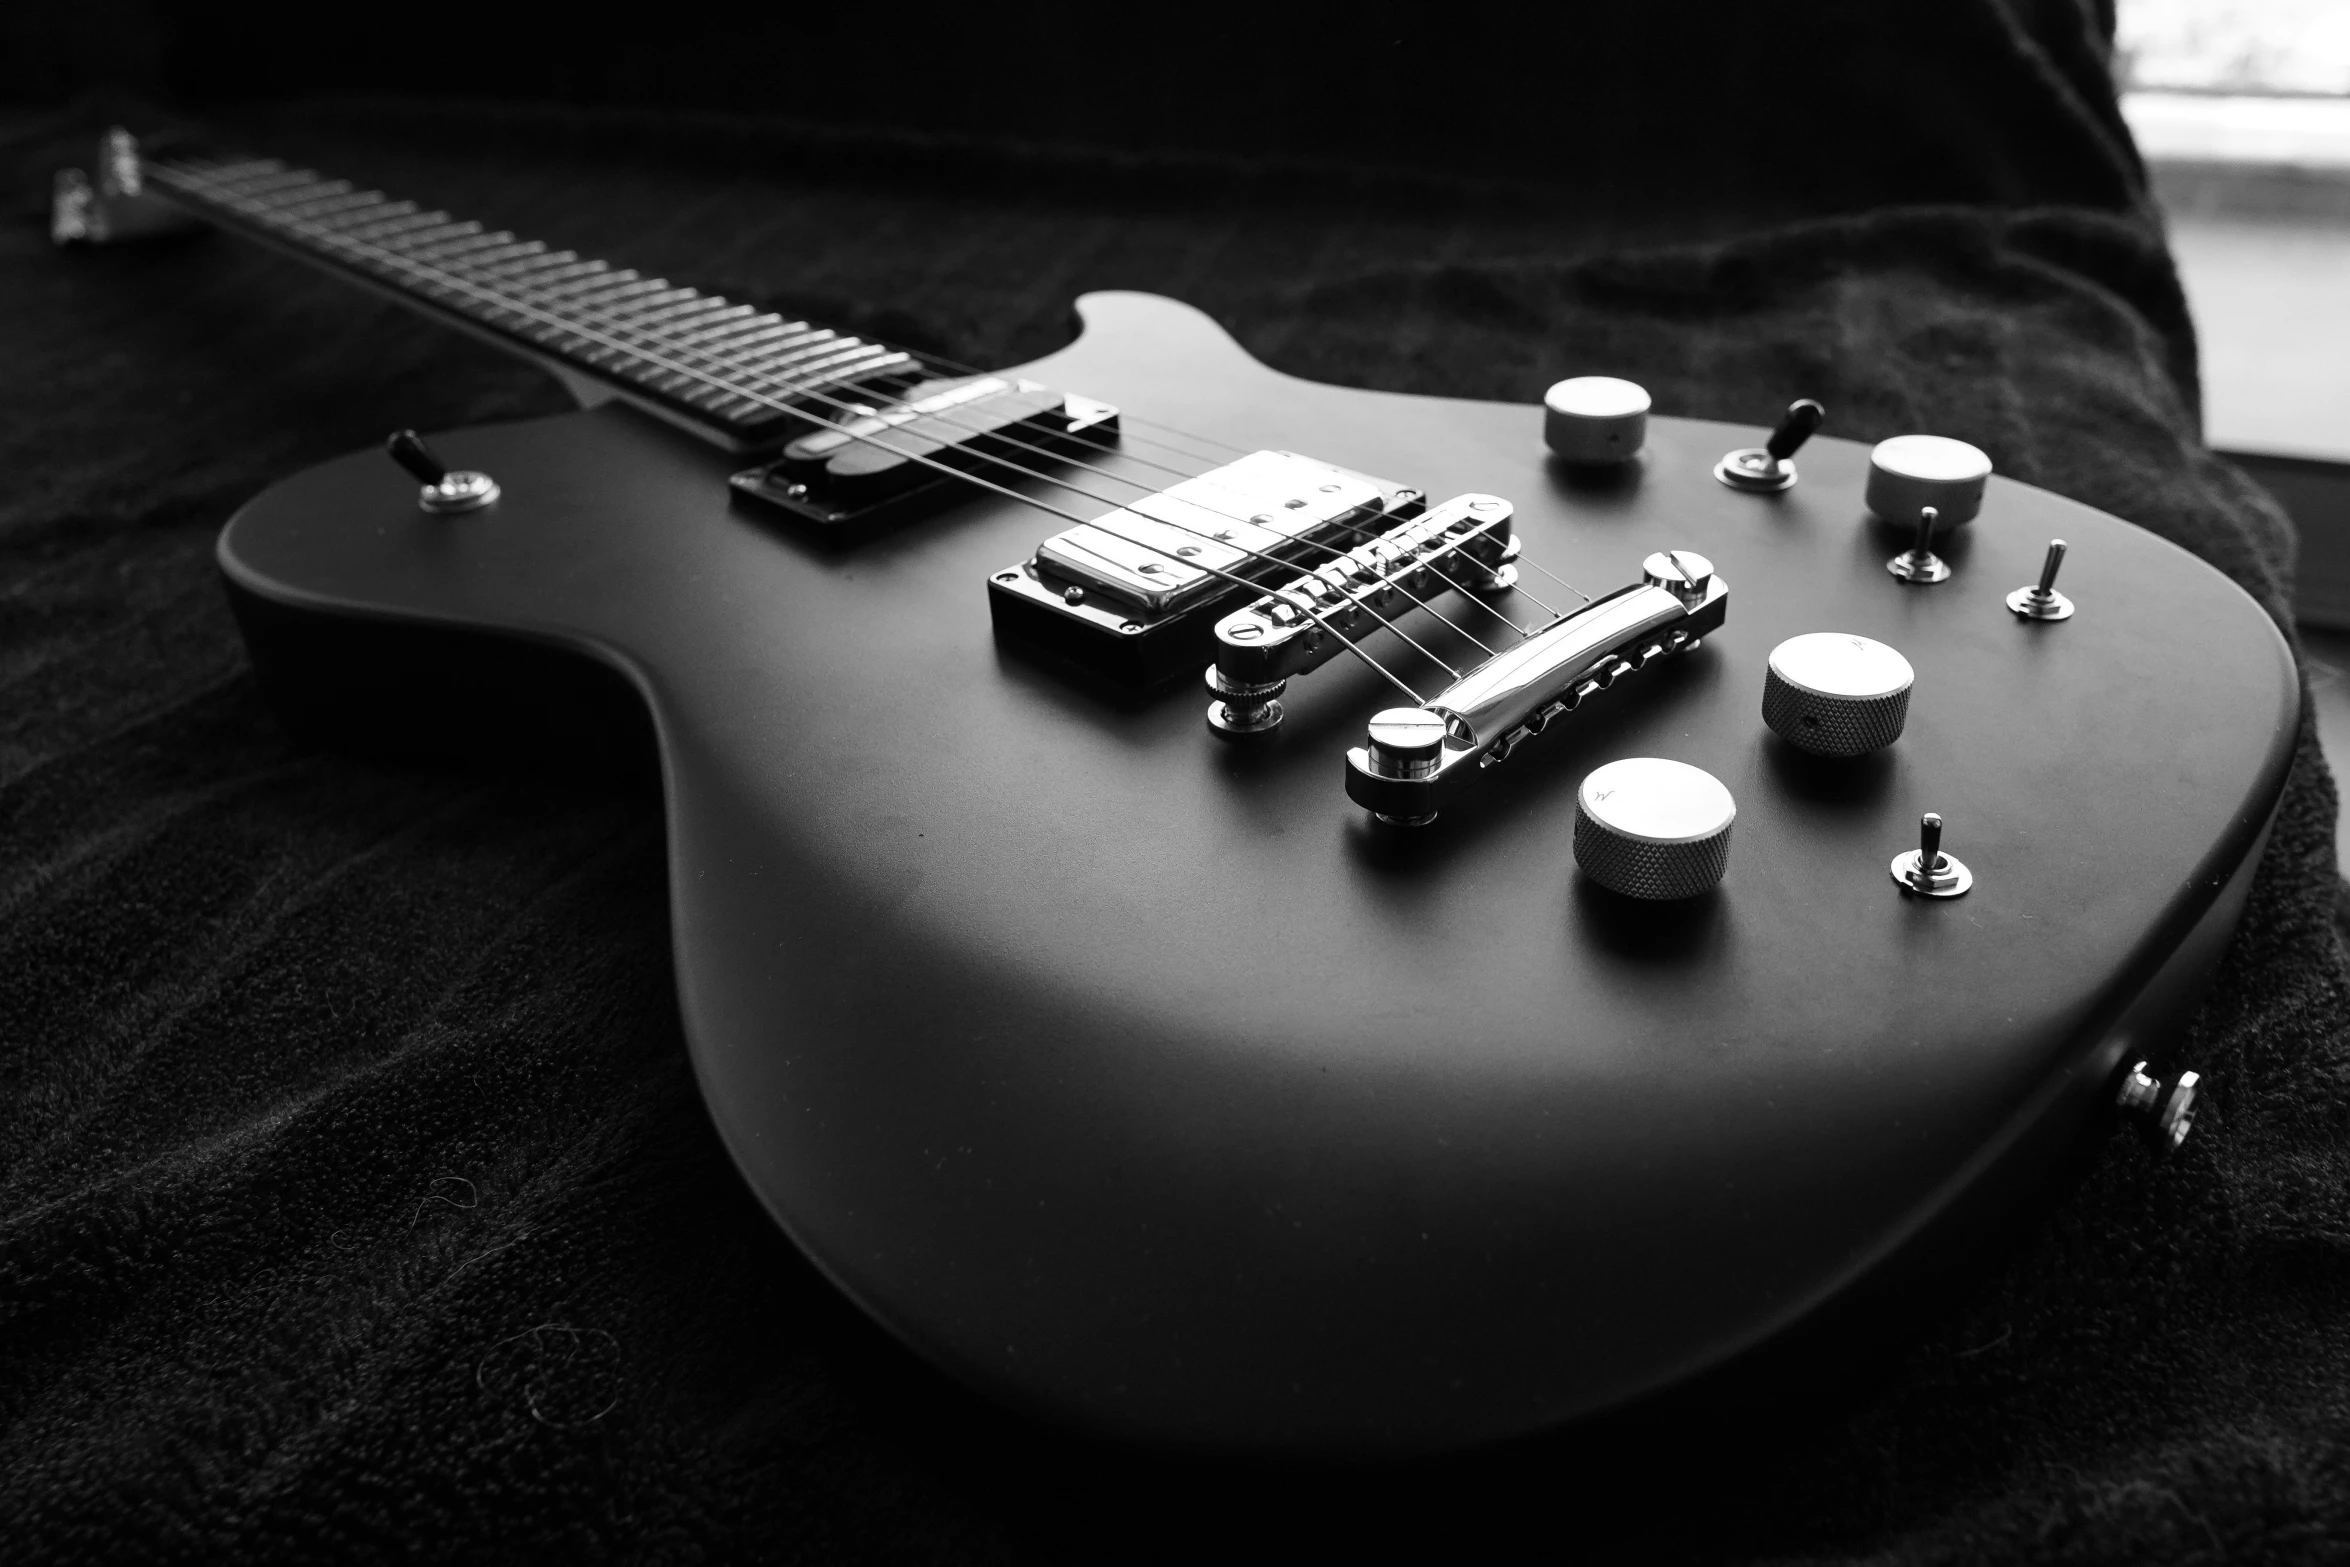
(1132,594)
(1465,543)
(1419,759)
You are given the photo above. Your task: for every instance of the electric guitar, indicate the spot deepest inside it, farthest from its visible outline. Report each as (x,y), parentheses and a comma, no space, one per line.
(1144,923)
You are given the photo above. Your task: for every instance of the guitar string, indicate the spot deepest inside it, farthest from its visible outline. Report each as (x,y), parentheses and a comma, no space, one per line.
(299,215)
(284,216)
(236,203)
(333,190)
(300,212)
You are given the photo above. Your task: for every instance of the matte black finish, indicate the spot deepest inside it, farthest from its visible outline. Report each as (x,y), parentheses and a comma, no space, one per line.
(1142,1080)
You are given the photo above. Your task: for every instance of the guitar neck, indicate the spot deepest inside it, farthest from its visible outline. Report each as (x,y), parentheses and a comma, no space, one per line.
(742,377)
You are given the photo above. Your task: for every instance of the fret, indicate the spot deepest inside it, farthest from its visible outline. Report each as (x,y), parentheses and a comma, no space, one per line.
(285,206)
(731,363)
(769,338)
(862,359)
(668,324)
(246,186)
(325,207)
(651,306)
(818,349)
(393,227)
(614,292)
(376,209)
(310,205)
(549,266)
(476,262)
(236,169)
(466,236)
(730,322)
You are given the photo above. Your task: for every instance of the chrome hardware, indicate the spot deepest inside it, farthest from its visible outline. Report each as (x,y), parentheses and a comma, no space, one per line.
(1770,467)
(2166,1112)
(1130,596)
(445,492)
(2042,601)
(1910,471)
(1835,694)
(1241,708)
(1406,742)
(1651,828)
(1926,870)
(117,205)
(1684,574)
(1919,563)
(1516,694)
(1595,419)
(1464,543)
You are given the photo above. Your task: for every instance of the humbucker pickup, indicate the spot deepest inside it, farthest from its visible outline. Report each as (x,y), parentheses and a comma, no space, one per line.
(871,464)
(1134,594)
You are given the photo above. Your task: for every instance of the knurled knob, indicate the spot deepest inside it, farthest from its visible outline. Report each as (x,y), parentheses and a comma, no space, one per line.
(1595,419)
(1911,471)
(1652,828)
(1836,694)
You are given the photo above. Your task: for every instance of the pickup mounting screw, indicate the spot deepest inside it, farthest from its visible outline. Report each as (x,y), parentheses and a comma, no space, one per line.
(2041,601)
(2166,1111)
(1770,467)
(1926,870)
(1919,563)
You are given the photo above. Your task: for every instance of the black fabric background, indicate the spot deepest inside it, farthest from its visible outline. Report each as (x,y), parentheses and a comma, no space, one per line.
(355,1200)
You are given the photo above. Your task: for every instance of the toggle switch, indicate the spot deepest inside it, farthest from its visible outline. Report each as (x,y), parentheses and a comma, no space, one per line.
(1926,870)
(2042,601)
(1911,471)
(1835,694)
(1595,419)
(1919,563)
(1651,828)
(1770,467)
(445,491)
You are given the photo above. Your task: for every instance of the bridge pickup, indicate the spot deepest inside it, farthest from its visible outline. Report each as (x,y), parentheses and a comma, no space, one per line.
(877,463)
(1134,594)
(1519,692)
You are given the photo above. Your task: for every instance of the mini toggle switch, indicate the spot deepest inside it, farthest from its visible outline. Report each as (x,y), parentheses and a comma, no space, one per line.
(445,491)
(1770,467)
(1835,694)
(1926,870)
(1595,419)
(1911,471)
(1651,828)
(2042,601)
(1919,563)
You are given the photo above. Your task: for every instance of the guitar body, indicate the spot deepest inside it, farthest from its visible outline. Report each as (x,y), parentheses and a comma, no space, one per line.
(1143,1081)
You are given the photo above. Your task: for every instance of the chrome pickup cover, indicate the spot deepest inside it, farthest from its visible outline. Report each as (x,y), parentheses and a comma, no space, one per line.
(1133,594)
(1168,549)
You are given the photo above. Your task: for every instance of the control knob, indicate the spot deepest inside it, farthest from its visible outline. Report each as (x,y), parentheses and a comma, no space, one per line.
(1595,419)
(1836,694)
(1651,828)
(1913,471)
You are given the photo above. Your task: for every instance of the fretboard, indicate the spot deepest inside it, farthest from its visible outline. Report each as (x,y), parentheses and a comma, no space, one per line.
(749,378)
